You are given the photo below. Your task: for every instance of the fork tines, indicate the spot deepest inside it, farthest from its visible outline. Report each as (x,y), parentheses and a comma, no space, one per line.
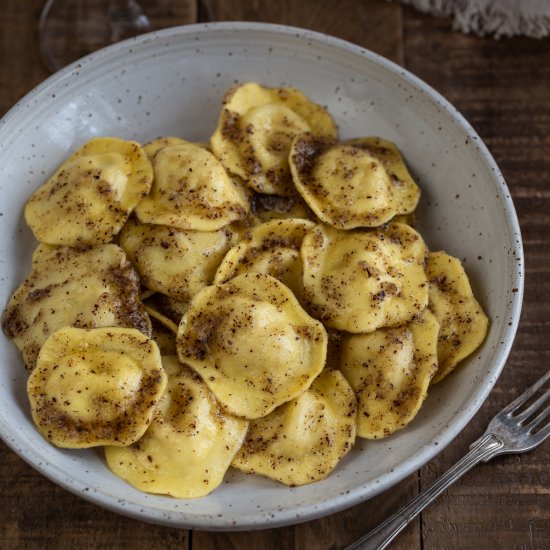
(532,416)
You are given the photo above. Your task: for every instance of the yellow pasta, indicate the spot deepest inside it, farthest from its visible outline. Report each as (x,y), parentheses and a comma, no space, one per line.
(86,288)
(95,387)
(303,440)
(256,302)
(91,195)
(463,322)
(189,444)
(390,370)
(252,343)
(191,190)
(272,248)
(361,281)
(175,262)
(255,131)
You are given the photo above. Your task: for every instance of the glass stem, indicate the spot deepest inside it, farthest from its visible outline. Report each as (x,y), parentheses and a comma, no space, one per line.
(126,19)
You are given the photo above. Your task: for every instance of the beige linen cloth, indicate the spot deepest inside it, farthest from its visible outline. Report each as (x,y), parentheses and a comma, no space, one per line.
(499,18)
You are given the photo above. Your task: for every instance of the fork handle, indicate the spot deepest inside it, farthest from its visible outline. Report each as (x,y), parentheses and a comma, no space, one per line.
(482,450)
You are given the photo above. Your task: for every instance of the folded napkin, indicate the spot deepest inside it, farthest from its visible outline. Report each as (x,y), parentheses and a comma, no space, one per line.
(492,17)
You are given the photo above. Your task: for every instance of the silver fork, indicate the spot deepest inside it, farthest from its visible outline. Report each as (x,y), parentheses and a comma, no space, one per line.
(512,430)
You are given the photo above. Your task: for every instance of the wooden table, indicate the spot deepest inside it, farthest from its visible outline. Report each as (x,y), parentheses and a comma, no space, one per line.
(503,89)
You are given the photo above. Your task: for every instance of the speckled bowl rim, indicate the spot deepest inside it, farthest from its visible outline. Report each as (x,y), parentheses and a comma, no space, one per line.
(306,512)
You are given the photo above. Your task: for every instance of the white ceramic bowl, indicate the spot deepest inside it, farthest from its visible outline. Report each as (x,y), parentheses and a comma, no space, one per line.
(171,83)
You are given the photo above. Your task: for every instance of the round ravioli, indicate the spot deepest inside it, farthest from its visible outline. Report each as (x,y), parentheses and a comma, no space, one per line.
(189,444)
(406,192)
(272,248)
(303,440)
(252,343)
(255,131)
(359,281)
(91,195)
(390,370)
(191,189)
(86,288)
(463,322)
(95,387)
(346,186)
(174,261)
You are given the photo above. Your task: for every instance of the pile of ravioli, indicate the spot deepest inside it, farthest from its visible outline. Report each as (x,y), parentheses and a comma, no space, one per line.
(259,301)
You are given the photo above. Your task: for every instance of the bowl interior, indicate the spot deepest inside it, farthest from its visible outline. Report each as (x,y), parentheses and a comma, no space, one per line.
(172,83)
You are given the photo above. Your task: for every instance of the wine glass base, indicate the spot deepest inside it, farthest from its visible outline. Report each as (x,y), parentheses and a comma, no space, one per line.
(70,29)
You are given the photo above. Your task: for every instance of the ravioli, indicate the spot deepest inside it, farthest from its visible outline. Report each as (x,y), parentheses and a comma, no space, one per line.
(189,444)
(95,387)
(255,131)
(359,281)
(390,370)
(303,440)
(272,248)
(91,195)
(346,186)
(406,192)
(267,300)
(191,189)
(174,261)
(360,182)
(252,343)
(463,322)
(86,288)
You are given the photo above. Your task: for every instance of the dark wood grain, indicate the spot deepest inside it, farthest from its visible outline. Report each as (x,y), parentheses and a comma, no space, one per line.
(502,87)
(38,514)
(21,67)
